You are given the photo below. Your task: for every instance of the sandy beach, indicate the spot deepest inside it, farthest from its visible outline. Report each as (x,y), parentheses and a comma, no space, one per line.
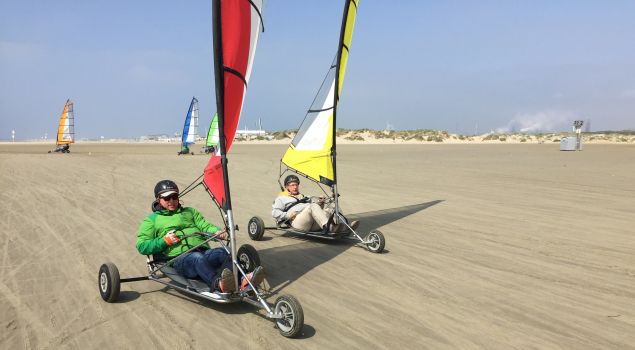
(488,246)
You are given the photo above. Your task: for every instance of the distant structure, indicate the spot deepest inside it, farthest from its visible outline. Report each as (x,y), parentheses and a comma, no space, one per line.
(573,143)
(389,127)
(12,135)
(587,125)
(156,137)
(247,132)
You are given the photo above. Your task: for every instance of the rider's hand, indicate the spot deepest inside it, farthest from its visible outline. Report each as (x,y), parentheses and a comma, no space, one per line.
(293,215)
(171,238)
(221,235)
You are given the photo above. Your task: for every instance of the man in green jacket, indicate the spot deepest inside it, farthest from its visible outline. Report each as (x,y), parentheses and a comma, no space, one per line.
(162,230)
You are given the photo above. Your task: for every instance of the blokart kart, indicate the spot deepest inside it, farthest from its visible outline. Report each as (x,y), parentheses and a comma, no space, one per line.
(374,241)
(286,312)
(62,149)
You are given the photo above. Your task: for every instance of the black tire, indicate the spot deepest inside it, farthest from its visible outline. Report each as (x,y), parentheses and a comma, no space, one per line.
(248,257)
(108,282)
(293,321)
(256,228)
(376,243)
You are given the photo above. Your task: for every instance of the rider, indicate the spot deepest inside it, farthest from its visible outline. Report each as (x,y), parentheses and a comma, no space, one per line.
(305,213)
(162,231)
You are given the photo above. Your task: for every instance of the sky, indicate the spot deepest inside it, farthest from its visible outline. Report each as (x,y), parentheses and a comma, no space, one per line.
(132,67)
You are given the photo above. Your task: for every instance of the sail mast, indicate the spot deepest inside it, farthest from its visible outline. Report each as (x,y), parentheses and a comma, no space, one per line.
(220,95)
(236,26)
(219,75)
(336,96)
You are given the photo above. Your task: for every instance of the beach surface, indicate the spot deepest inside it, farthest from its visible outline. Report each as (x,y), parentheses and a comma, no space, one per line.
(488,246)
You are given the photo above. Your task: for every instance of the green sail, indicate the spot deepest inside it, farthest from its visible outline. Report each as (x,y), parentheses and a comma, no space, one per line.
(212,133)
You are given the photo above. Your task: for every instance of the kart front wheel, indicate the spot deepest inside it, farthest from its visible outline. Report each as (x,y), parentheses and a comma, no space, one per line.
(375,241)
(248,257)
(109,282)
(256,228)
(292,321)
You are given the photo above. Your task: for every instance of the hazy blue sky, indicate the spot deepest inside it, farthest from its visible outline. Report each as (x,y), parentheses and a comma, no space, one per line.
(131,67)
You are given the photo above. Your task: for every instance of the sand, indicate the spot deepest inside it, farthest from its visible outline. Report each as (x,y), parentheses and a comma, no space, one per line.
(488,246)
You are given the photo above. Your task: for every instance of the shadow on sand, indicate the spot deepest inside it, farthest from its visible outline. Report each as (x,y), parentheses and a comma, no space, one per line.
(237,308)
(288,263)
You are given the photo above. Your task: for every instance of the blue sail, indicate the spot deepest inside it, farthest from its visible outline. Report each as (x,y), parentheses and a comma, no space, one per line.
(191,124)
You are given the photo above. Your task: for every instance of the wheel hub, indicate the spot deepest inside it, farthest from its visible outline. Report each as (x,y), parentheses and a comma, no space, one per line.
(103,282)
(286,321)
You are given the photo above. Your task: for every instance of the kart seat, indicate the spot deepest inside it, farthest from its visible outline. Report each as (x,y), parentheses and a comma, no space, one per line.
(284,224)
(159,260)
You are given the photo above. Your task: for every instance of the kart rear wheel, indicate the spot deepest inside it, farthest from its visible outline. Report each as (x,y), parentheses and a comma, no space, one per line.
(290,325)
(109,283)
(248,257)
(256,228)
(376,241)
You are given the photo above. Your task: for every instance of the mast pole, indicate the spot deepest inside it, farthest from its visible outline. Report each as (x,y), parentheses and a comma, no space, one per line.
(336,97)
(219,72)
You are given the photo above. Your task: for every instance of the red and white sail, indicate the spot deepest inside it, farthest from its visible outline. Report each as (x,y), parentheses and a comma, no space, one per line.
(236,25)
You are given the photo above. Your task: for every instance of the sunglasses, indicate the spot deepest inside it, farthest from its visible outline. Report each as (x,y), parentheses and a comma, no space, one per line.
(171,197)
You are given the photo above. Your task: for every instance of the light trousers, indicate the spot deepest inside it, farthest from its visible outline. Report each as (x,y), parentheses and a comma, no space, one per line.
(312,218)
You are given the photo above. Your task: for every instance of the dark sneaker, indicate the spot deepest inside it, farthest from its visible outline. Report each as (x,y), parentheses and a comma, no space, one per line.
(226,282)
(256,277)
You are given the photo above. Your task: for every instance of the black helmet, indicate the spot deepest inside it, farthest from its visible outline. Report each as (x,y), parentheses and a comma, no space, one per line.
(291,178)
(164,186)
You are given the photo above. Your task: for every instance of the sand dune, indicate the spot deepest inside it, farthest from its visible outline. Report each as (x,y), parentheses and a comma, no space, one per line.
(488,246)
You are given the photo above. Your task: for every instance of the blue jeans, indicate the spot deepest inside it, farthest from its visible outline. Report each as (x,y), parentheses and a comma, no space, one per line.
(206,265)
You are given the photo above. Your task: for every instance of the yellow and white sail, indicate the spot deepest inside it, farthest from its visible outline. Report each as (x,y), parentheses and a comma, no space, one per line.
(312,150)
(66,128)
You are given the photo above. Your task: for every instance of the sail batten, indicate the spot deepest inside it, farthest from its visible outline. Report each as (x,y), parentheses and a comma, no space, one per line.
(312,150)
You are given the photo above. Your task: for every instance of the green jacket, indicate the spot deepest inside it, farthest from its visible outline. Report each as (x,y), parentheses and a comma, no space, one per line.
(184,220)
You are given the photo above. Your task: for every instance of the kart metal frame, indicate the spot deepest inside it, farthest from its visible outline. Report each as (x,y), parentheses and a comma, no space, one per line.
(286,312)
